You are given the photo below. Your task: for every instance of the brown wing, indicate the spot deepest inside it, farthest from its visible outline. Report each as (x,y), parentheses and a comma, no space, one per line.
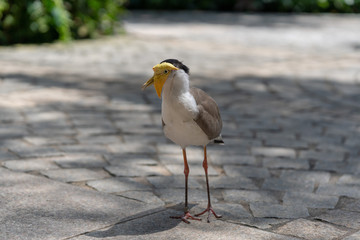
(208,119)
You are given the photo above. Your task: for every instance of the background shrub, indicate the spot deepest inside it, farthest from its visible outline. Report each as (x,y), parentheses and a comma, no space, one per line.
(338,6)
(35,21)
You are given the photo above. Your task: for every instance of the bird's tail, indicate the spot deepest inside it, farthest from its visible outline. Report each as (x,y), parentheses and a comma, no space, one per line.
(218,140)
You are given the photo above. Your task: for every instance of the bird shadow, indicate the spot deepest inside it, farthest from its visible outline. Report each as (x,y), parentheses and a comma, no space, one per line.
(149,222)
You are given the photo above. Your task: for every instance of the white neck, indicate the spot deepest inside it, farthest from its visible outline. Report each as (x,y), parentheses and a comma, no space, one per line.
(176,84)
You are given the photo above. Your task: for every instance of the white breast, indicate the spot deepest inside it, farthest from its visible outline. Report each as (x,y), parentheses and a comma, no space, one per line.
(178,110)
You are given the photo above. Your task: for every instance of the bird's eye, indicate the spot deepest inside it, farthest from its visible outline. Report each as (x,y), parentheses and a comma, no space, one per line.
(166,71)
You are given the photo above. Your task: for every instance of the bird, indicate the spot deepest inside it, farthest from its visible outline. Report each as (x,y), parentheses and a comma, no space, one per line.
(190,117)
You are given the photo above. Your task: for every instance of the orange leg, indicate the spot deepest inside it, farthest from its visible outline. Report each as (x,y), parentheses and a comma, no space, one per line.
(186,214)
(209,208)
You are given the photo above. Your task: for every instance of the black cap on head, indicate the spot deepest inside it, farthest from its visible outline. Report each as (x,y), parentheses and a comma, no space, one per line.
(177,64)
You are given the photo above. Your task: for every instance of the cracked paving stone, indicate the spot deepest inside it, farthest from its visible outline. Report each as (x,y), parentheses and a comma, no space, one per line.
(343,218)
(270,210)
(74,175)
(116,185)
(249,196)
(311,230)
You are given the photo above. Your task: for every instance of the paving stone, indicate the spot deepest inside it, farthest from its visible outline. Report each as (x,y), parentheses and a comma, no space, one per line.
(136,170)
(323,156)
(310,200)
(85,149)
(73,175)
(348,179)
(286,143)
(127,148)
(286,163)
(232,159)
(308,176)
(260,223)
(175,196)
(195,170)
(117,185)
(12,131)
(228,211)
(249,196)
(31,164)
(349,204)
(108,139)
(32,208)
(248,171)
(260,209)
(146,228)
(6,155)
(280,184)
(225,182)
(80,161)
(34,152)
(306,229)
(50,140)
(338,190)
(342,218)
(173,182)
(131,159)
(273,152)
(354,236)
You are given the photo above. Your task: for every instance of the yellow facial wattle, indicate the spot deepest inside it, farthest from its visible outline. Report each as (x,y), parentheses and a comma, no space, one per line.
(161,73)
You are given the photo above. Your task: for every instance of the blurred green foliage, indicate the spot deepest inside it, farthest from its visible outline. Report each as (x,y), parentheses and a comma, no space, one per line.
(312,6)
(35,21)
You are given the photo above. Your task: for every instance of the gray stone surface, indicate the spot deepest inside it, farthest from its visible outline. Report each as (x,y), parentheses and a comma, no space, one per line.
(74,174)
(310,200)
(74,115)
(270,210)
(342,218)
(37,208)
(159,226)
(306,229)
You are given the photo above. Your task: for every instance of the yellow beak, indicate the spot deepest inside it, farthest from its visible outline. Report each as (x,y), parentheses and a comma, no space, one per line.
(148,83)
(159,77)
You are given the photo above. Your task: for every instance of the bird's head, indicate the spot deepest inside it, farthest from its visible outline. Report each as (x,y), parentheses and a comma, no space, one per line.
(161,73)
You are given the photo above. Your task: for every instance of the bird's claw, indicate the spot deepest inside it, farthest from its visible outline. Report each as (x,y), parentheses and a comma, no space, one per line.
(209,210)
(185,217)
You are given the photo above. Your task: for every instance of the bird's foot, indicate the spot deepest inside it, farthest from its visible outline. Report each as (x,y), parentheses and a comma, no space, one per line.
(185,217)
(209,210)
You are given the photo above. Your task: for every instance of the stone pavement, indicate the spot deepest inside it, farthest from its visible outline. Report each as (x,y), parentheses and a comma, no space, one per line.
(83,156)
